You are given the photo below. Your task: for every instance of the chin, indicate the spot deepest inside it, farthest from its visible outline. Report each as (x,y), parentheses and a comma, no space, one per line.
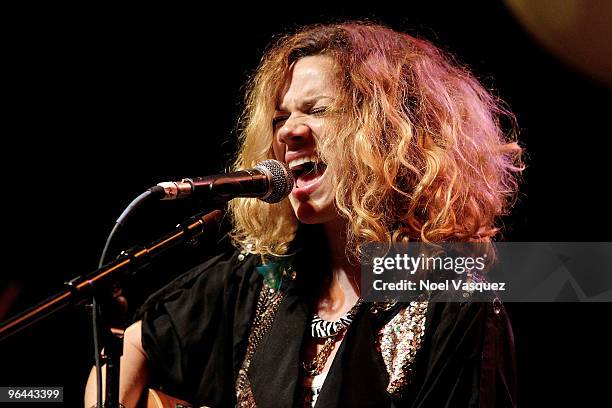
(310,213)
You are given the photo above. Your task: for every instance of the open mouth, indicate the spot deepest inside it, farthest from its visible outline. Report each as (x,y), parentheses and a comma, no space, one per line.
(306,170)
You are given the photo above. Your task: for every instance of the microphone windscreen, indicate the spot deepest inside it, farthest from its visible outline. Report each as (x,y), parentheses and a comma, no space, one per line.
(281,180)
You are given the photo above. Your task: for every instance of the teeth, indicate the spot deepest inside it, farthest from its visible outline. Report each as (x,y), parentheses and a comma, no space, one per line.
(306,159)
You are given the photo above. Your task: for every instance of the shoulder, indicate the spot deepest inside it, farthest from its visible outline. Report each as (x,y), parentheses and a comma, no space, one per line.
(472,343)
(470,314)
(214,277)
(468,323)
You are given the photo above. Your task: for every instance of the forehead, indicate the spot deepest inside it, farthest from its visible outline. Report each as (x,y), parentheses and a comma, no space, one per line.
(309,77)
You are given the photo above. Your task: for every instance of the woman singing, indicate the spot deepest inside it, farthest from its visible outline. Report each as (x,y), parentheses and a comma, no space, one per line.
(389,140)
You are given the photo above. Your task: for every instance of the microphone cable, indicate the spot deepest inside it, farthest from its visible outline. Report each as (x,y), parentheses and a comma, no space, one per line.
(153,192)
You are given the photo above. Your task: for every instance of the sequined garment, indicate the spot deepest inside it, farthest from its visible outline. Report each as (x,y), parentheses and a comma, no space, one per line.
(399,342)
(270,297)
(267,306)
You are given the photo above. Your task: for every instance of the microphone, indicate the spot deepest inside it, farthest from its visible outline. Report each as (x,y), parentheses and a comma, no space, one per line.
(270,181)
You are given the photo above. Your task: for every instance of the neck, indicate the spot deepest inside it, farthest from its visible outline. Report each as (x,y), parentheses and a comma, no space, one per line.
(343,289)
(335,234)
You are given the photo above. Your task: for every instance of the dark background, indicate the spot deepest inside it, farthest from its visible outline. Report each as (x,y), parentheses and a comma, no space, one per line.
(101,104)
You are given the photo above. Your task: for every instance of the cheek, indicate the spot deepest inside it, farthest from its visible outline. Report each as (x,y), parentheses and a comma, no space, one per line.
(321,132)
(279,150)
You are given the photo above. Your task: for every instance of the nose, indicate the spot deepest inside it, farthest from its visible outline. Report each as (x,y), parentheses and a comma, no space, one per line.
(294,133)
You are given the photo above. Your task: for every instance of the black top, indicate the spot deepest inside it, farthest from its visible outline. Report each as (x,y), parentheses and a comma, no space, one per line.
(195,333)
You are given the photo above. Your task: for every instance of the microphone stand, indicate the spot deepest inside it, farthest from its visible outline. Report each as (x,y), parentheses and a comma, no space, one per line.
(99,282)
(109,307)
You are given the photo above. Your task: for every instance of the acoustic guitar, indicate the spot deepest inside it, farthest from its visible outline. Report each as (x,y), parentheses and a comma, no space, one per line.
(157,399)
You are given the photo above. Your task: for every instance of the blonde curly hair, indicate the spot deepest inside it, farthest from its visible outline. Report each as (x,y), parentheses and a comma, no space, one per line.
(418,155)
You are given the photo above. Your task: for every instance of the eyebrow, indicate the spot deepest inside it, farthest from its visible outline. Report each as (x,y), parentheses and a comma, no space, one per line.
(305,103)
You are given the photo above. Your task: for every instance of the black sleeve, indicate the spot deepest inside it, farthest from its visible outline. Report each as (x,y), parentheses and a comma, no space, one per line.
(194,330)
(467,358)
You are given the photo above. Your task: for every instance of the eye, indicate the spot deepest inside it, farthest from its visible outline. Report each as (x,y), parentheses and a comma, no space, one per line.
(318,111)
(278,120)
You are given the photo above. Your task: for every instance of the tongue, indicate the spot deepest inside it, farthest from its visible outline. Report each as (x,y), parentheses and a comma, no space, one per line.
(307,178)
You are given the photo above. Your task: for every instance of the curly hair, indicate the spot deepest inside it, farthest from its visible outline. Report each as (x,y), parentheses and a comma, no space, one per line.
(419,154)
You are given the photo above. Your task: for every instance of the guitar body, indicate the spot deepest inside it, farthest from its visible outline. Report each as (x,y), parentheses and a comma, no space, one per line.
(157,399)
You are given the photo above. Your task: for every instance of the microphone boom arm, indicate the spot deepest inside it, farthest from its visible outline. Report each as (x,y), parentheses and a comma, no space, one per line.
(82,287)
